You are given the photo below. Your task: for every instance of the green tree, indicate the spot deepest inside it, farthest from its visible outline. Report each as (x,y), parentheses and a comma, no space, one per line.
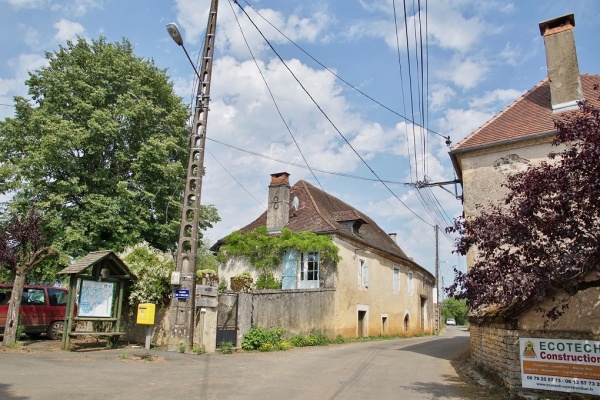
(101,146)
(23,246)
(457,309)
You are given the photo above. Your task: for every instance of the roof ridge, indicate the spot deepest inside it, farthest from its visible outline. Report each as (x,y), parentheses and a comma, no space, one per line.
(498,115)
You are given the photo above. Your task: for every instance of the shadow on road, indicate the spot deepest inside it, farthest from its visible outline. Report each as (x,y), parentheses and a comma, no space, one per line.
(5,393)
(438,348)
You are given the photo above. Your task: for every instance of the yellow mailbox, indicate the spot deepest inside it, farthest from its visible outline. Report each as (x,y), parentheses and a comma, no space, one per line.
(145,314)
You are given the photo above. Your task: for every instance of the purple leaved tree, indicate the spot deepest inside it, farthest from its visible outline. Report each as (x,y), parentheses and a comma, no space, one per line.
(545,239)
(22,248)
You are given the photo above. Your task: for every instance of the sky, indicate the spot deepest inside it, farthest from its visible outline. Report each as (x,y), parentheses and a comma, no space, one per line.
(367,137)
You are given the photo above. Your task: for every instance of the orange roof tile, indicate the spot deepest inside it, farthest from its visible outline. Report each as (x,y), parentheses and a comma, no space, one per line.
(529,115)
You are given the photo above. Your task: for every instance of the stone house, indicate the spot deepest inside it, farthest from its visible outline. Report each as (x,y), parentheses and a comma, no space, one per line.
(517,137)
(375,288)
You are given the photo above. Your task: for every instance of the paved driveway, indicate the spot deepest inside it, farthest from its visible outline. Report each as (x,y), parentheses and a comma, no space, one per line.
(416,368)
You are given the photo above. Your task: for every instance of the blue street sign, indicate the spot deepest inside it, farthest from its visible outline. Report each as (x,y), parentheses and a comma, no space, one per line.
(182,293)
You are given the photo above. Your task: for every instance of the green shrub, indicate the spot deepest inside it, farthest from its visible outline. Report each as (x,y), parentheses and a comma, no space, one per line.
(285,345)
(313,339)
(266,280)
(339,339)
(226,348)
(256,337)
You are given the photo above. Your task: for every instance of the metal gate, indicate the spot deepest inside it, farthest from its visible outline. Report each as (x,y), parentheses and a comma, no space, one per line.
(227,318)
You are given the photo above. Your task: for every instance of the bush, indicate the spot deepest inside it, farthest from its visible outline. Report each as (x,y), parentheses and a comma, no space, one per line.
(266,280)
(257,337)
(314,339)
(226,348)
(241,282)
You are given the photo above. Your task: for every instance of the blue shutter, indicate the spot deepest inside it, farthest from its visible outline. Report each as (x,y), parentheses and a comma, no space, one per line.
(290,261)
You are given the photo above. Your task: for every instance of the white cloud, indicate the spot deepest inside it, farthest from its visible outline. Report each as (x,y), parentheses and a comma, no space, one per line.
(67,30)
(458,123)
(440,96)
(30,4)
(450,29)
(498,97)
(466,72)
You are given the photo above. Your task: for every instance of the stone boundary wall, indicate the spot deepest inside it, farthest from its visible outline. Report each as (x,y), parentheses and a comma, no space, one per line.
(299,311)
(495,349)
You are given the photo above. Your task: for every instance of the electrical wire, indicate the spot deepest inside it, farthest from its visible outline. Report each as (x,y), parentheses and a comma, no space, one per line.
(327,117)
(337,76)
(277,107)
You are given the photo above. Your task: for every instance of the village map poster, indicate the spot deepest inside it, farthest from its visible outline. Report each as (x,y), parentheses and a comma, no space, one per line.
(95,299)
(561,365)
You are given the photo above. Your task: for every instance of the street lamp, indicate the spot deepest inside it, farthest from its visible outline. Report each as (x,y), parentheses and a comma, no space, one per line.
(173,30)
(183,305)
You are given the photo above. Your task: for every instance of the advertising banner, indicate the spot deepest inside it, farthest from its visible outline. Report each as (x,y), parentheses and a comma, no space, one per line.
(561,365)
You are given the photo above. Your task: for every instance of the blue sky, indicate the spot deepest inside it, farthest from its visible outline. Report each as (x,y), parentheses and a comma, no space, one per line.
(478,57)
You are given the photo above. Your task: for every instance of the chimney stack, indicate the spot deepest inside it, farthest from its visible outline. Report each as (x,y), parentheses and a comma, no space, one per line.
(278,213)
(561,58)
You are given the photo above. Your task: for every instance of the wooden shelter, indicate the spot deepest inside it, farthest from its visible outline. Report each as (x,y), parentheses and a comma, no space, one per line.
(97,285)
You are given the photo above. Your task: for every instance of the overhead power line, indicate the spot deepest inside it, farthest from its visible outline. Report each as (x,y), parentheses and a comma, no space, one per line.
(337,76)
(327,117)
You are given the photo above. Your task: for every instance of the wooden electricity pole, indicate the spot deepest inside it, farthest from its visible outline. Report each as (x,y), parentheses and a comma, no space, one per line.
(183,305)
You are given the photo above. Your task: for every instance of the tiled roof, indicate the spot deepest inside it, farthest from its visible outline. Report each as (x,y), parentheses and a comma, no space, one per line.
(319,212)
(529,115)
(95,258)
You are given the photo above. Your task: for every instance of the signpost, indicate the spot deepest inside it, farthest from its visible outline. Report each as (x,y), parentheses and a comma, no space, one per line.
(560,365)
(181,293)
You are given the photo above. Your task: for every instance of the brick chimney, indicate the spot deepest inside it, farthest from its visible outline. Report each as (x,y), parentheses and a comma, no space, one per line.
(278,213)
(561,58)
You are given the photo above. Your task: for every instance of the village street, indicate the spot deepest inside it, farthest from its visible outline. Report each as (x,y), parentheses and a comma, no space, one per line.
(416,368)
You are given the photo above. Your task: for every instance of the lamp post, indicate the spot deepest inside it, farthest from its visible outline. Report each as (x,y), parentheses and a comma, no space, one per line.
(183,305)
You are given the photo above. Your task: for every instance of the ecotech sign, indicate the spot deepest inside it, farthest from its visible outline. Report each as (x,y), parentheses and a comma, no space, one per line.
(561,365)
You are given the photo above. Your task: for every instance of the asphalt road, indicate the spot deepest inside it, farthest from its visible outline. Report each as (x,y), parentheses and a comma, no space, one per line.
(416,368)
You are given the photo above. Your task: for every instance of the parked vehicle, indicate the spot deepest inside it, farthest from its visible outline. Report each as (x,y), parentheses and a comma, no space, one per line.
(43,309)
(450,321)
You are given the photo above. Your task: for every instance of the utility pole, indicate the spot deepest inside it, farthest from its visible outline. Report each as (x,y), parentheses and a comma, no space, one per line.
(183,306)
(437,277)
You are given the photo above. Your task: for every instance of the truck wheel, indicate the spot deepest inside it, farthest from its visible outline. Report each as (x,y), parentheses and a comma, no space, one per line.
(55,330)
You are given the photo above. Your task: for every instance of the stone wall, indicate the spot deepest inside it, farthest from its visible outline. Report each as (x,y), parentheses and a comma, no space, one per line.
(495,349)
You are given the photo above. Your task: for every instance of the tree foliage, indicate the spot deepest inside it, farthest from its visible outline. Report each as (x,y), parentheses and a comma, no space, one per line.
(545,238)
(23,246)
(457,309)
(101,146)
(265,252)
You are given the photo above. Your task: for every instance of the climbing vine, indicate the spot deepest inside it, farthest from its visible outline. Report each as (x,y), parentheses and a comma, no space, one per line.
(265,251)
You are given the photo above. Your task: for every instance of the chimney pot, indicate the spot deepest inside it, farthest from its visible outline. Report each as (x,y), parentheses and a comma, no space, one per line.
(278,213)
(561,59)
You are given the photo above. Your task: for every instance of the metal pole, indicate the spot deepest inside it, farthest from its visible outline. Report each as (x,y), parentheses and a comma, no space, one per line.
(182,310)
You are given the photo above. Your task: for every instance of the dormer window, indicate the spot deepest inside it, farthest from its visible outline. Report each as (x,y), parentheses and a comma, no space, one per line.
(351,219)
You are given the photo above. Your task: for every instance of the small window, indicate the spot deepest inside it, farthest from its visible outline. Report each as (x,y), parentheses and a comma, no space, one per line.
(33,297)
(57,297)
(363,274)
(411,288)
(396,280)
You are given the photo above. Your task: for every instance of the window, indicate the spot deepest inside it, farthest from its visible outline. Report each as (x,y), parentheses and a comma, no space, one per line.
(309,270)
(411,288)
(363,274)
(396,280)
(33,297)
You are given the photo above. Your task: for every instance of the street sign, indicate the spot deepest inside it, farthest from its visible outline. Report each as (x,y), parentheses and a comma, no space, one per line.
(181,293)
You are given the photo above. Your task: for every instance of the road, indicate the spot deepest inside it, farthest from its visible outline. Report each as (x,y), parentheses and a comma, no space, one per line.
(415,368)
